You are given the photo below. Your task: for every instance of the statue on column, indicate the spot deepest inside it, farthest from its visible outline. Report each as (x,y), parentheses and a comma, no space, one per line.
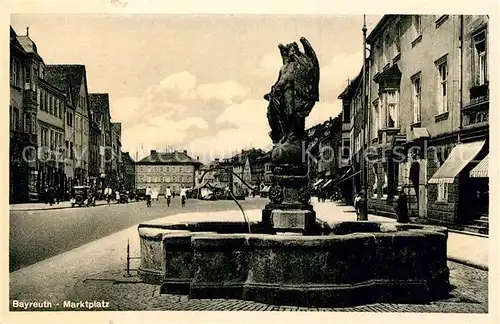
(291,99)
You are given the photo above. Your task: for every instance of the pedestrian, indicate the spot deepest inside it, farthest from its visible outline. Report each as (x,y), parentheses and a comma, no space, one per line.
(357,201)
(52,194)
(401,207)
(168,195)
(107,194)
(148,196)
(183,197)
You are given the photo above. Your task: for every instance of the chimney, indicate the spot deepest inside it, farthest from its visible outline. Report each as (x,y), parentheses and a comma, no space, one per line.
(153,152)
(27,31)
(197,158)
(185,152)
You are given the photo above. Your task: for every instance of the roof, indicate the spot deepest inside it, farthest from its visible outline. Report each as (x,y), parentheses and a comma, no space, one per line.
(64,76)
(28,45)
(168,158)
(14,40)
(379,27)
(99,104)
(350,90)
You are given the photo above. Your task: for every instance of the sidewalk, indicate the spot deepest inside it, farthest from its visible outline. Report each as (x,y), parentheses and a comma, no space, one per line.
(467,249)
(43,206)
(55,278)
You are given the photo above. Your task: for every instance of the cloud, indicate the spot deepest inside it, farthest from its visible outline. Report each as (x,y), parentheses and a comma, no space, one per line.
(322,111)
(334,74)
(269,65)
(225,91)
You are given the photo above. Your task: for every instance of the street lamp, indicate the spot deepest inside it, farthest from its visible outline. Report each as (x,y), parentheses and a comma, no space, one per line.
(363,204)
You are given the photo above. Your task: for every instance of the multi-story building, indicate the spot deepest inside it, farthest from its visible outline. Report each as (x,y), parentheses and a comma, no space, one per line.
(72,80)
(24,181)
(127,168)
(95,157)
(116,146)
(242,171)
(161,170)
(51,135)
(99,102)
(427,86)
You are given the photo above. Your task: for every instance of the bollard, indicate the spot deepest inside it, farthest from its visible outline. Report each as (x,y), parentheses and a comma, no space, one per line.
(128,259)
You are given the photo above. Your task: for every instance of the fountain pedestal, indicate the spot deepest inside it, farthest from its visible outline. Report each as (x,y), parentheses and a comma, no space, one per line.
(290,194)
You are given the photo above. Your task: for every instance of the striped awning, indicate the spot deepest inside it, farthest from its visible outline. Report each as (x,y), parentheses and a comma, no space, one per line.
(318,182)
(460,156)
(481,170)
(326,183)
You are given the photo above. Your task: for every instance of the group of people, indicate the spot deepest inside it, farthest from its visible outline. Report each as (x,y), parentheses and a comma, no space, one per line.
(169,194)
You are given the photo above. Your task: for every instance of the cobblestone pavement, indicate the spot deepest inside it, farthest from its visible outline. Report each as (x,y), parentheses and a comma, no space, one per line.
(469,295)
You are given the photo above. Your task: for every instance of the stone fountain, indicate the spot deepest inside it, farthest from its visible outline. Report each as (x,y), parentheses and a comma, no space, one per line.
(289,256)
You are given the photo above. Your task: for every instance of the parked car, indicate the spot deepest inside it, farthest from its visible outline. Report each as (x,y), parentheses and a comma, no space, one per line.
(82,195)
(123,198)
(140,194)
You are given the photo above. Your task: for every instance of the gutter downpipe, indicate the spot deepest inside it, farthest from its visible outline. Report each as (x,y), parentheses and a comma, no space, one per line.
(460,128)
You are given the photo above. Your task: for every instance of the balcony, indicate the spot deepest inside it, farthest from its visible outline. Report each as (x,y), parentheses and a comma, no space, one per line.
(476,112)
(30,99)
(479,93)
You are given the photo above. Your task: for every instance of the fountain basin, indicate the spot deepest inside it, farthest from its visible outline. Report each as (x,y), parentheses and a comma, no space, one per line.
(354,263)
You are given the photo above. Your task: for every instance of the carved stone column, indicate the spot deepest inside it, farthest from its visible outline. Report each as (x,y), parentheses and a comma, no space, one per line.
(290,209)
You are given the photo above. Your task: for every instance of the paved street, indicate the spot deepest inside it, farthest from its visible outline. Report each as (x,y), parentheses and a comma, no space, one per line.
(70,275)
(38,235)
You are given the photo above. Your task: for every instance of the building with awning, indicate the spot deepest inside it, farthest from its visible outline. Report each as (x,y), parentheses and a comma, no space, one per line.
(480,170)
(459,158)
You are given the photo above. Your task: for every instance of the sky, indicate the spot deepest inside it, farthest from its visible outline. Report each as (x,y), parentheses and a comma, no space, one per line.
(196,82)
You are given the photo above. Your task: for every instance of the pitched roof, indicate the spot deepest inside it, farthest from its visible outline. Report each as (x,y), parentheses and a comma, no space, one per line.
(14,41)
(99,105)
(168,158)
(63,76)
(28,45)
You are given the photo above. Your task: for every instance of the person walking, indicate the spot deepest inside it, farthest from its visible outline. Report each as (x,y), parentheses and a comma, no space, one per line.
(401,207)
(168,195)
(107,194)
(149,193)
(357,201)
(183,197)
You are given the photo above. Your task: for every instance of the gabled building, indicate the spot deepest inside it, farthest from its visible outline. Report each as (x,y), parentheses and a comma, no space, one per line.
(72,79)
(127,168)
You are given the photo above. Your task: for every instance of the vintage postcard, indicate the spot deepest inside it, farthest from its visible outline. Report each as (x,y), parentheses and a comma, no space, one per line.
(205,160)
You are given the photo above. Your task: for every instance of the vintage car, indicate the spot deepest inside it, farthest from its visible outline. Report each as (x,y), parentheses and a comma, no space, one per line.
(123,197)
(140,194)
(82,195)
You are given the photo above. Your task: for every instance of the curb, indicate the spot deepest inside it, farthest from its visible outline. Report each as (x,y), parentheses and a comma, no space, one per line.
(468,233)
(468,263)
(57,208)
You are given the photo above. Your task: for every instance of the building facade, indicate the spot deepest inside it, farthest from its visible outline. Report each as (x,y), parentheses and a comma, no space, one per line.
(162,170)
(116,148)
(127,168)
(428,103)
(72,80)
(23,166)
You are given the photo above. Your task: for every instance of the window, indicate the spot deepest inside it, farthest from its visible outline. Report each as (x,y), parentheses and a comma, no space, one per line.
(148,179)
(346,148)
(52,139)
(443,80)
(387,49)
(33,125)
(377,118)
(391,105)
(27,123)
(71,151)
(416,87)
(13,72)
(481,70)
(35,78)
(69,119)
(15,119)
(442,192)
(174,179)
(27,80)
(346,114)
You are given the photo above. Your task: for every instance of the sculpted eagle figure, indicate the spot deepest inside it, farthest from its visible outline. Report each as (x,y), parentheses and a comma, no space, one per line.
(294,94)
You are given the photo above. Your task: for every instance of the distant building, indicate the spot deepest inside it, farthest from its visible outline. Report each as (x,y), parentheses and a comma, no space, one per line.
(127,171)
(99,106)
(116,149)
(160,170)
